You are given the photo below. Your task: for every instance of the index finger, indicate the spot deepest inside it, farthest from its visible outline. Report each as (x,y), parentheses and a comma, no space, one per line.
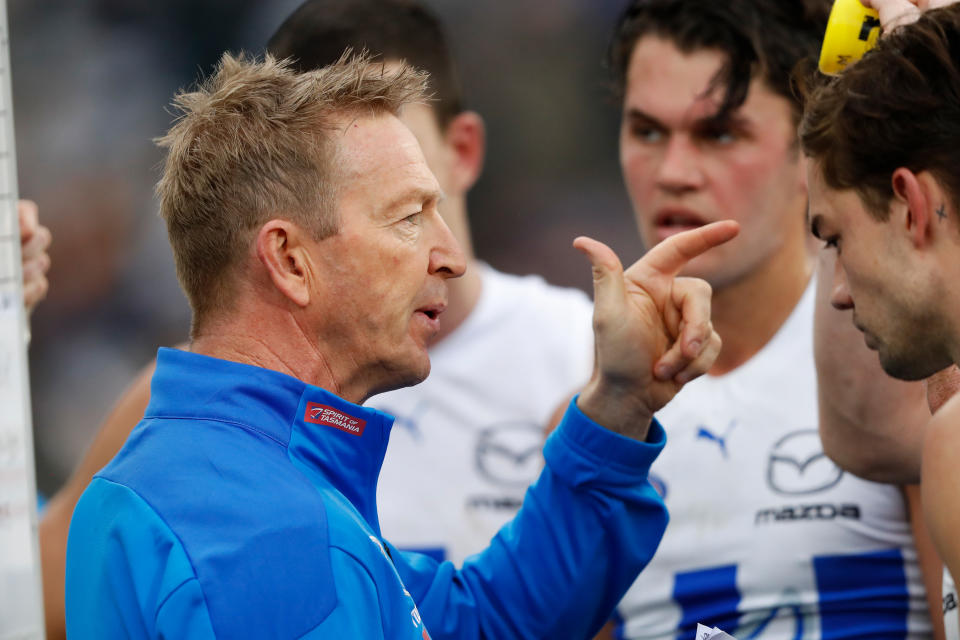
(670,256)
(29,216)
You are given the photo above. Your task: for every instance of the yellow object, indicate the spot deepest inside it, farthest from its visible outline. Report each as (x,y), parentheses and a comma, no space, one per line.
(852,30)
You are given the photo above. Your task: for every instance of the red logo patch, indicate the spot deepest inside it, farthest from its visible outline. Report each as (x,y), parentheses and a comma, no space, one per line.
(330,417)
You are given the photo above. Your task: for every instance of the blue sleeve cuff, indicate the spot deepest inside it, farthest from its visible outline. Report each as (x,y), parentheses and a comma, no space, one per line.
(581,438)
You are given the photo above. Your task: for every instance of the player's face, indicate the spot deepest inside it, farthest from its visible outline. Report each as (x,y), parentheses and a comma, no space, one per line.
(383,283)
(683,170)
(875,278)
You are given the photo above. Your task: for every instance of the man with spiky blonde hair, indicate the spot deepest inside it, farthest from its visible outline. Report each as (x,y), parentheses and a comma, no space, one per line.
(307,236)
(257,142)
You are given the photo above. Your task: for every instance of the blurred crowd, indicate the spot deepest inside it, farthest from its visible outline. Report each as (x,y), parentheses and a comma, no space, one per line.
(90,81)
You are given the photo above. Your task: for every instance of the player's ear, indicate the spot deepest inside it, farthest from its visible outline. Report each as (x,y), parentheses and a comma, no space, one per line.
(914,205)
(282,251)
(465,135)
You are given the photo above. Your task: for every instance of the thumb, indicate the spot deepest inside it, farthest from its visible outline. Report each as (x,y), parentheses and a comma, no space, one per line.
(609,290)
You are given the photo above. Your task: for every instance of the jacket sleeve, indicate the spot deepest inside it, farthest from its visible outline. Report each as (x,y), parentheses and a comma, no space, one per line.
(586,529)
(127,573)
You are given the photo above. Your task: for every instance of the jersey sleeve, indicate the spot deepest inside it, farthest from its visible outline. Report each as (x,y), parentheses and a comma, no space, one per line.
(587,527)
(128,575)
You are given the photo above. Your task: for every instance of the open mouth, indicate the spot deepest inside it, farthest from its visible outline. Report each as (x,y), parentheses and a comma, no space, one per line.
(432,311)
(679,220)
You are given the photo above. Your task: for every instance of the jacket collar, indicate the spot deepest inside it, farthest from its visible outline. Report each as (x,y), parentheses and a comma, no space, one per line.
(332,441)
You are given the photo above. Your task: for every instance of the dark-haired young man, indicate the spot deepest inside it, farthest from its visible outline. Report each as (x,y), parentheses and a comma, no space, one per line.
(768,538)
(884,198)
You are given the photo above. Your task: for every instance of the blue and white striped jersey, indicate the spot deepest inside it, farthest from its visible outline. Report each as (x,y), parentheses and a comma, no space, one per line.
(767,537)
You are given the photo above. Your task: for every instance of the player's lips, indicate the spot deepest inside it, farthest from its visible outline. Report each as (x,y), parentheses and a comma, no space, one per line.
(673,220)
(871,341)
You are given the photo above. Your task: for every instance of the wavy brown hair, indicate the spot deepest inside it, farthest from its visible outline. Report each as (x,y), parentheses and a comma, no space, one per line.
(763,39)
(899,106)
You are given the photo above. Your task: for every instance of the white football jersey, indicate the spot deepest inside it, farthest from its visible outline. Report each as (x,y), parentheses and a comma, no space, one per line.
(467,441)
(767,537)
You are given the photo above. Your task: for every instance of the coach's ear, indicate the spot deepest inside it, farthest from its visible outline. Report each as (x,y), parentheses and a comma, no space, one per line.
(919,198)
(466,136)
(282,251)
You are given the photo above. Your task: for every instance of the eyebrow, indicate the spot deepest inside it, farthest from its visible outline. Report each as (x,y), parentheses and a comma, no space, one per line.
(415,195)
(637,114)
(735,121)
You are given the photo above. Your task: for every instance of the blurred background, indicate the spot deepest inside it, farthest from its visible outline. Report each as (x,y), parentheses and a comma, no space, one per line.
(92,80)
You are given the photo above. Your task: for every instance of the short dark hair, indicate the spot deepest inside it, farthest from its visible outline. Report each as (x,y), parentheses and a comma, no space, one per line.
(899,106)
(761,38)
(319,31)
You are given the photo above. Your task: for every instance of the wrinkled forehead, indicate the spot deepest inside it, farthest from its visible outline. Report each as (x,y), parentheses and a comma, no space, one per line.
(365,140)
(380,153)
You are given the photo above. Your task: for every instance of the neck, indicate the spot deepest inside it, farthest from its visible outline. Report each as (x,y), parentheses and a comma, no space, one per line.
(255,346)
(748,313)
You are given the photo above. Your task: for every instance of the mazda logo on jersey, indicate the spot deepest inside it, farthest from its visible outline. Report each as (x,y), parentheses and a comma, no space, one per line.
(510,454)
(798,466)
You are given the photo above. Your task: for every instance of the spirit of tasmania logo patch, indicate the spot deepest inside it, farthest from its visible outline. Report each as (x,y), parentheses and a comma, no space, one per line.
(330,417)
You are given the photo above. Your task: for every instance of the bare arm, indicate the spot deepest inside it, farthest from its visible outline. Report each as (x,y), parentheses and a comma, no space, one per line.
(941,482)
(870,424)
(607,632)
(55,523)
(931,566)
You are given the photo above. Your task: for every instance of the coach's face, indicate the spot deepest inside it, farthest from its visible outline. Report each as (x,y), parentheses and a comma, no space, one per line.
(876,276)
(383,285)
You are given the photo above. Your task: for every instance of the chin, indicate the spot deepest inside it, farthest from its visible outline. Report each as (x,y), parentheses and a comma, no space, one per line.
(912,369)
(409,372)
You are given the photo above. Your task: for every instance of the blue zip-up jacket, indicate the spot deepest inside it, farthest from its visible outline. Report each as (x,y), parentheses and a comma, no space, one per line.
(243,506)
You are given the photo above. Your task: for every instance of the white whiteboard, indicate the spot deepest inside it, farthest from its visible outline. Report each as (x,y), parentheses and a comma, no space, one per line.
(21,596)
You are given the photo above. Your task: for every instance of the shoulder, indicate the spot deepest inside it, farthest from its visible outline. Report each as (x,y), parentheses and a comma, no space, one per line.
(941,447)
(535,293)
(125,563)
(239,509)
(940,484)
(542,315)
